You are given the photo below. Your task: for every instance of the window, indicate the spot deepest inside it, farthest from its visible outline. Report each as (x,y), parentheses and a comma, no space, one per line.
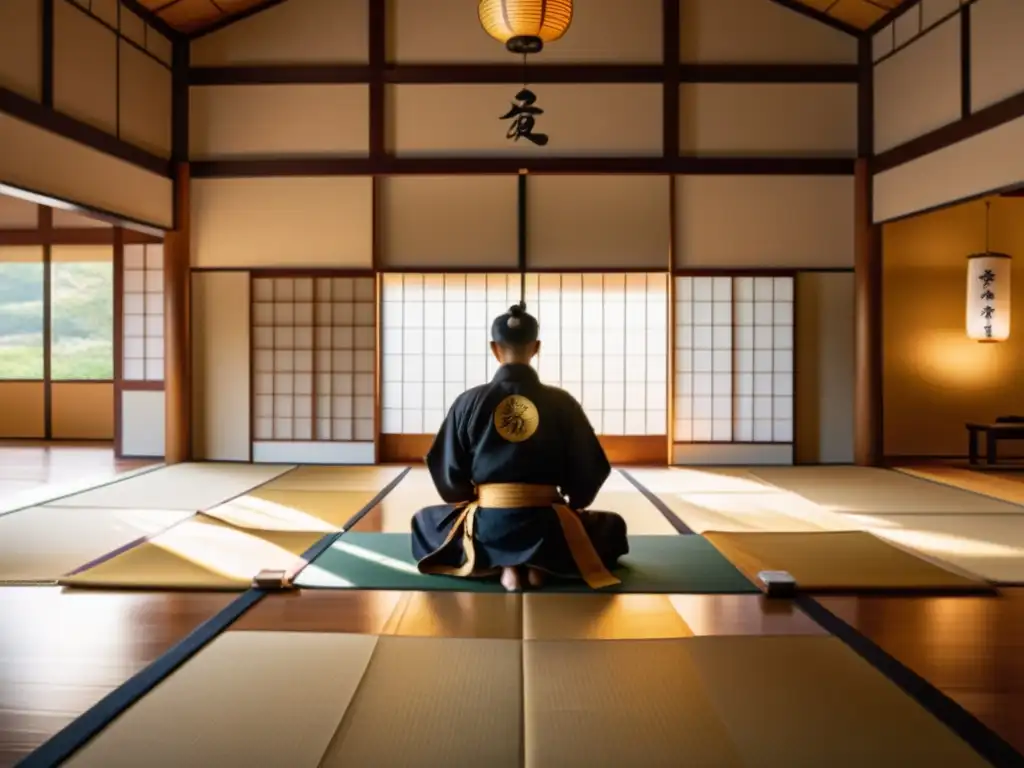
(81,314)
(143,313)
(21,313)
(436,328)
(314,342)
(734,359)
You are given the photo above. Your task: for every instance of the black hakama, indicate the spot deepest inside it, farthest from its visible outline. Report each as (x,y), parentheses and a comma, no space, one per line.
(515,430)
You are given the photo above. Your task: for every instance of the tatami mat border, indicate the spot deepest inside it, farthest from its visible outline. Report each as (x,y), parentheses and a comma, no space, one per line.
(979,736)
(662,507)
(80,731)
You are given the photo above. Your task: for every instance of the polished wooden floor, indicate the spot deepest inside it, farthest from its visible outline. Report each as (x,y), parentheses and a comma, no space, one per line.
(970,648)
(61,652)
(32,466)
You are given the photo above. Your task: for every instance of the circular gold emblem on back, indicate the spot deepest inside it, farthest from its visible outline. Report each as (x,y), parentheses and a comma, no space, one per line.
(516,418)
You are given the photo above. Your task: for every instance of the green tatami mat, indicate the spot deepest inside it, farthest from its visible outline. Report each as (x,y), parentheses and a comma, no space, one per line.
(672,564)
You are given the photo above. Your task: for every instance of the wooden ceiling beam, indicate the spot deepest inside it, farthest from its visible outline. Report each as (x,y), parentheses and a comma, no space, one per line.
(891,16)
(308,74)
(153,19)
(819,16)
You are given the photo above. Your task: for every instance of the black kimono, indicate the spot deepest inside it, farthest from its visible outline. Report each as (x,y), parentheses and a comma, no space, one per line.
(515,430)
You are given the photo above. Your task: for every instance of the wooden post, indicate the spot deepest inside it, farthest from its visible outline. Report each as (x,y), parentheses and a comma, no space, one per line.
(177,368)
(868,448)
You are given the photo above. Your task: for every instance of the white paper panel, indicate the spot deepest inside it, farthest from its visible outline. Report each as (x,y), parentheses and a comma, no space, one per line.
(756,31)
(321,221)
(764,221)
(220,365)
(295,32)
(997,55)
(449,221)
(917,89)
(21,47)
(592,222)
(142,424)
(989,161)
(278,120)
(768,119)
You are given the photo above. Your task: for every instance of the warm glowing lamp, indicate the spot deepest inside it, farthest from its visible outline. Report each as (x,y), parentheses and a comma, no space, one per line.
(525,25)
(988,293)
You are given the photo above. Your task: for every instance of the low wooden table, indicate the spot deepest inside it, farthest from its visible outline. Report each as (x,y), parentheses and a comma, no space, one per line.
(993,434)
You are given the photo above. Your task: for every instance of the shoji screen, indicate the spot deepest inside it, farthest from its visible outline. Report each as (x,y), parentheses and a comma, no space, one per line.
(313,341)
(603,339)
(734,369)
(143,313)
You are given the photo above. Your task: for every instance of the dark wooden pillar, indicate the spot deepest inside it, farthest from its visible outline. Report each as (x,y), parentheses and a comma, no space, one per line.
(177,346)
(868,449)
(867,263)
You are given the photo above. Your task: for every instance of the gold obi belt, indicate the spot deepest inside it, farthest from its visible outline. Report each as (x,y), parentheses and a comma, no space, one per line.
(517,496)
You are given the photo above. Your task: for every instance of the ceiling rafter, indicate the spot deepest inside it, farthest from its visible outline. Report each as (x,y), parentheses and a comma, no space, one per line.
(196,18)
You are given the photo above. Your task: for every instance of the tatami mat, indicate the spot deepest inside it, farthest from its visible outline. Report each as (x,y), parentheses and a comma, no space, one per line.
(986,483)
(275,510)
(642,517)
(836,561)
(267,699)
(41,544)
(199,553)
(394,514)
(533,615)
(991,546)
(335,478)
(723,702)
(870,491)
(737,502)
(431,702)
(181,486)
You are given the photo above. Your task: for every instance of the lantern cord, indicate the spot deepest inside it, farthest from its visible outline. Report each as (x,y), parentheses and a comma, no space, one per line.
(524,72)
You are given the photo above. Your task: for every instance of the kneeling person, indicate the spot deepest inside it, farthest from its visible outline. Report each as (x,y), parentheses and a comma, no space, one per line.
(517,462)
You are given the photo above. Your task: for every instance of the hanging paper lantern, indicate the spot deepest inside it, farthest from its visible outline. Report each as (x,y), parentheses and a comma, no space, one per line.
(525,25)
(988,296)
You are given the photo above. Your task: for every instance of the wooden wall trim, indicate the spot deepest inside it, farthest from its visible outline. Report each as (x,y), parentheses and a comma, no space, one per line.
(41,116)
(118,269)
(46,226)
(622,450)
(978,122)
(73,236)
(819,16)
(452,74)
(177,346)
(46,54)
(965,61)
(227,21)
(671,75)
(868,415)
(497,165)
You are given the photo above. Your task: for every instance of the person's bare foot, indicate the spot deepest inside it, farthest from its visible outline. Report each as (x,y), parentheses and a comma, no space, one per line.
(535,577)
(510,579)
